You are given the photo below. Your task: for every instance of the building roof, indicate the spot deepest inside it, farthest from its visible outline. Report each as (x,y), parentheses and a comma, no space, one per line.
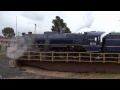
(7,40)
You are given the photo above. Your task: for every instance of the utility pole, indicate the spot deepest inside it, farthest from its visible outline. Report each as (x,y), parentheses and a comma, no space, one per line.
(18,33)
(35,28)
(16,30)
(16,26)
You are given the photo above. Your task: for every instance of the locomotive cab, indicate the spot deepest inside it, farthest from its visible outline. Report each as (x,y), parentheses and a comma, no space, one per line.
(93,42)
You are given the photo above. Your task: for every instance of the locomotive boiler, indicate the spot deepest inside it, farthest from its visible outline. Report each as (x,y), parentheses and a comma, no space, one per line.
(63,42)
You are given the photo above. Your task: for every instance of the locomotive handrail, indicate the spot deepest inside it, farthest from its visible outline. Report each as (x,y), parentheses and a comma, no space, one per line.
(58,44)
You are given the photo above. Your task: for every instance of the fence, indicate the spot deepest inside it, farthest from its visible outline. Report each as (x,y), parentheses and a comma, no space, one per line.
(72,57)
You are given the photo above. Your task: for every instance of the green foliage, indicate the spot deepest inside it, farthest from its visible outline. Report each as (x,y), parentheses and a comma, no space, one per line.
(59,25)
(8,32)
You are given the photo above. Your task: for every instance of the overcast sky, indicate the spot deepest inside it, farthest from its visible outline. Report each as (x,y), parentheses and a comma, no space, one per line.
(77,21)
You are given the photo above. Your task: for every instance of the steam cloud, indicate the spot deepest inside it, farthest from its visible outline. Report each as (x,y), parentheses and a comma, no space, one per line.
(103,35)
(15,51)
(87,20)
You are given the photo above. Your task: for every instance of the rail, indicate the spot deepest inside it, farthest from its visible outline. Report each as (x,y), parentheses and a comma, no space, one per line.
(71,57)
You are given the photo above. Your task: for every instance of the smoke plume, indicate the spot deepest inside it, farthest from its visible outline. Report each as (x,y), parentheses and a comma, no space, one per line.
(87,20)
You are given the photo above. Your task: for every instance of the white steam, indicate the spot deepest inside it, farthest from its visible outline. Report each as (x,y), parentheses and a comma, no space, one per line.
(15,51)
(103,35)
(87,21)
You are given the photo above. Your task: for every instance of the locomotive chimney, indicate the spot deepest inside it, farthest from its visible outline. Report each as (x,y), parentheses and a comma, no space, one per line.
(29,32)
(23,33)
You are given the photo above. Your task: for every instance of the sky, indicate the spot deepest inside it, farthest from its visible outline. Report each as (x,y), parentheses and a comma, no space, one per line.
(77,21)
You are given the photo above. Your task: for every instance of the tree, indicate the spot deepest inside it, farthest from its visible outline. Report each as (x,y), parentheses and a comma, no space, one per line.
(59,25)
(8,32)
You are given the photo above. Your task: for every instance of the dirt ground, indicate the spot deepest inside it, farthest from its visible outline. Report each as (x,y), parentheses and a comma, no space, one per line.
(6,72)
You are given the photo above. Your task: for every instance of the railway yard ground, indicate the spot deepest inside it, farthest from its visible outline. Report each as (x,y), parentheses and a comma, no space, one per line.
(7,72)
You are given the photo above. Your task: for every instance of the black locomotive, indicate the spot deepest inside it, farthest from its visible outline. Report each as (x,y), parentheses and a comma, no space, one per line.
(64,42)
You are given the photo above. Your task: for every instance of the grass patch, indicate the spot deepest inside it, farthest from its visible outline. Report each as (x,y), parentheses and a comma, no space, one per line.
(109,75)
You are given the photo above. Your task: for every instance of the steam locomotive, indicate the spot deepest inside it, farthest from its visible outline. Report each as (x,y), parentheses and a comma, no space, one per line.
(71,42)
(90,42)
(90,47)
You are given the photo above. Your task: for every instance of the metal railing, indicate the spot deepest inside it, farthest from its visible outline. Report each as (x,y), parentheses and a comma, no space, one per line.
(71,56)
